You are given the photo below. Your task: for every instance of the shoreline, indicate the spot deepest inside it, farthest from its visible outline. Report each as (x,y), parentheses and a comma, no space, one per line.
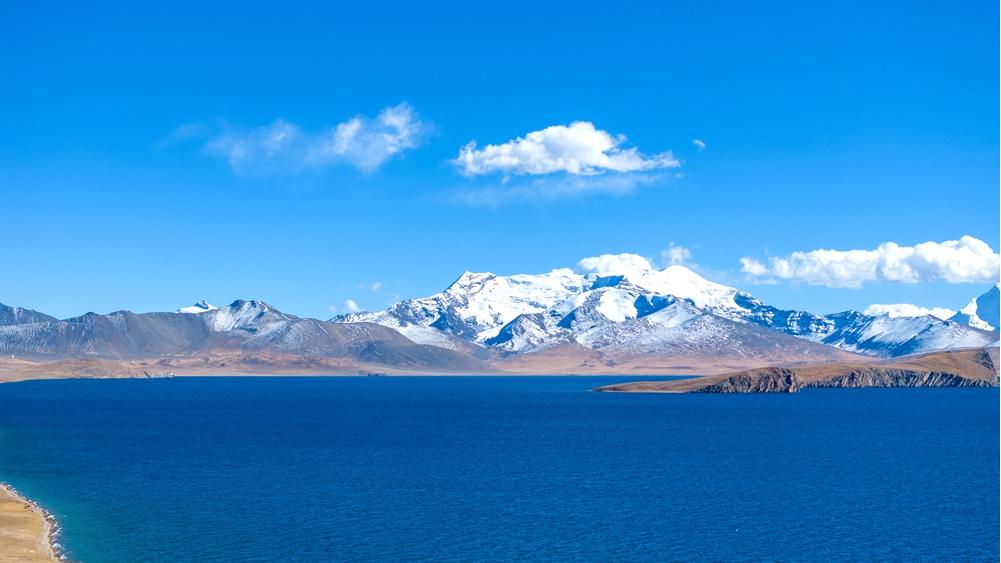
(18,379)
(29,532)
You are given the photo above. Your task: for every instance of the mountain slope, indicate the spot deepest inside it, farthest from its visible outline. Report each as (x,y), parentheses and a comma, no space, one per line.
(886,336)
(982,312)
(117,335)
(19,315)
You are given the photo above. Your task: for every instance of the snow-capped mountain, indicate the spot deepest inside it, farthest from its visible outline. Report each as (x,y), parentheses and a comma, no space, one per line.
(982,312)
(477,305)
(200,307)
(625,320)
(573,319)
(474,307)
(526,313)
(252,317)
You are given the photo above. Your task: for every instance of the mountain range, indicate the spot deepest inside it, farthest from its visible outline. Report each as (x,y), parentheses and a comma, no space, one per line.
(644,320)
(657,311)
(253,328)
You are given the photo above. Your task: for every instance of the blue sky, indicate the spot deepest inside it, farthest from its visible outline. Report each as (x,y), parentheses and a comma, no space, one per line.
(826,126)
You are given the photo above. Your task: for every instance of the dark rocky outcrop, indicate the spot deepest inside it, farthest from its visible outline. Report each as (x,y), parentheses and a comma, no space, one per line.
(769,380)
(898,378)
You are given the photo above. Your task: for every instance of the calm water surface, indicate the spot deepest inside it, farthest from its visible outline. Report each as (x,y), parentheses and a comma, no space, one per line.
(287,469)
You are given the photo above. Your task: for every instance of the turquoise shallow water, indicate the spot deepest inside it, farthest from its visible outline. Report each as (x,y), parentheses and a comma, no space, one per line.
(286,469)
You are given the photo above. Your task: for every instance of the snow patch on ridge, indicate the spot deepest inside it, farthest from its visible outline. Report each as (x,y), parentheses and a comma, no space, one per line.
(200,307)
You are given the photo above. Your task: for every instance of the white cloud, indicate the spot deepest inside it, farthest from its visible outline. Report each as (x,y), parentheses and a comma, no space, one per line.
(375,286)
(967,260)
(753,268)
(283,147)
(675,254)
(579,149)
(700,145)
(893,310)
(614,264)
(351,305)
(626,263)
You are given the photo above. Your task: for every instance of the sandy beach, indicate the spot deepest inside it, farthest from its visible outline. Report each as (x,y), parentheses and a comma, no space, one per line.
(25,532)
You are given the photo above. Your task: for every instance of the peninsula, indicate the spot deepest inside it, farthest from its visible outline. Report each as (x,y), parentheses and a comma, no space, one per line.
(25,530)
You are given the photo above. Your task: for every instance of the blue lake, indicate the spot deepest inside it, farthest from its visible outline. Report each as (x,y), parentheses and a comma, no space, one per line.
(289,469)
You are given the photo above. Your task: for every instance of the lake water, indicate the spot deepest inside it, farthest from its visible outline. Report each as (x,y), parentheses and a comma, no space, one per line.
(289,469)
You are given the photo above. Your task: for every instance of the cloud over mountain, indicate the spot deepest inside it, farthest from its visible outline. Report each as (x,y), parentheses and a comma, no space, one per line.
(894,310)
(614,264)
(967,260)
(675,254)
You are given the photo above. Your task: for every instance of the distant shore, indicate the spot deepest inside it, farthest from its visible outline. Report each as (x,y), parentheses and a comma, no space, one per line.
(968,367)
(248,364)
(974,367)
(27,531)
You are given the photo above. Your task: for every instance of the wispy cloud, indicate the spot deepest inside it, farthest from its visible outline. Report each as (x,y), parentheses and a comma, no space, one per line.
(551,188)
(967,260)
(282,147)
(183,133)
(351,306)
(700,145)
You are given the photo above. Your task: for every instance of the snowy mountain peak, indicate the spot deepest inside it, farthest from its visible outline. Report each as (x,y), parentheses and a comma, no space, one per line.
(252,316)
(679,272)
(682,282)
(982,312)
(202,306)
(251,303)
(479,304)
(470,278)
